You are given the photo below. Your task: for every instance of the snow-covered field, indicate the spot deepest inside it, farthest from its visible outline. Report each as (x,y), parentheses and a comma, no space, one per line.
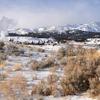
(34,76)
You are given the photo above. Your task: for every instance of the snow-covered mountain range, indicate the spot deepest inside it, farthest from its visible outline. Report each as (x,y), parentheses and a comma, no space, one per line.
(78,32)
(91,27)
(9,26)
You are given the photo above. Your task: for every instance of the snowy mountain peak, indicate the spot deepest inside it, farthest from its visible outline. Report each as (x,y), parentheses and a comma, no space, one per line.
(9,25)
(92,27)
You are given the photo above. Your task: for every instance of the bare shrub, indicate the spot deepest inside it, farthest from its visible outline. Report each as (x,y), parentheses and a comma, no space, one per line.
(17,67)
(46,87)
(6,91)
(53,78)
(3,76)
(38,97)
(63,61)
(49,62)
(42,88)
(94,86)
(71,50)
(34,77)
(39,88)
(79,70)
(18,85)
(40,50)
(61,53)
(2,45)
(14,89)
(3,57)
(13,49)
(53,69)
(36,48)
(2,65)
(36,65)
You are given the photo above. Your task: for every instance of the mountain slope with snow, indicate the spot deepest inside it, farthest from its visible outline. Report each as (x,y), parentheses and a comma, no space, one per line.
(9,26)
(91,27)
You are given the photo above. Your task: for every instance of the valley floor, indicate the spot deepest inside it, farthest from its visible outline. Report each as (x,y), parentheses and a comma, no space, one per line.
(25,66)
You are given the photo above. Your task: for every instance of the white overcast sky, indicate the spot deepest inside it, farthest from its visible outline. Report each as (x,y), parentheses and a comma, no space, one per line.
(36,13)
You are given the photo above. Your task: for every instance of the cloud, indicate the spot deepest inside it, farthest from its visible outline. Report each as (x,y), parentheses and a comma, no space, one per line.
(79,11)
(37,19)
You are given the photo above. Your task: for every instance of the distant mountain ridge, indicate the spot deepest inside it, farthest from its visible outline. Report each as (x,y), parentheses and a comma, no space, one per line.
(9,26)
(91,27)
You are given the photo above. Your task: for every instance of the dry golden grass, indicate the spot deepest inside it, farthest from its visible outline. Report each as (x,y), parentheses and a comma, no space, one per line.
(61,53)
(2,59)
(35,48)
(3,76)
(2,45)
(81,73)
(47,63)
(94,87)
(18,82)
(13,49)
(17,67)
(53,69)
(45,89)
(6,91)
(40,50)
(34,77)
(14,88)
(2,65)
(52,78)
(35,65)
(81,67)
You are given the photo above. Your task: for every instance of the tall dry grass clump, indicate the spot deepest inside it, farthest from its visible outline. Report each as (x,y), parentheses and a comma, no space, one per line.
(14,89)
(2,44)
(82,72)
(61,53)
(3,57)
(44,89)
(13,49)
(38,65)
(17,67)
(47,86)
